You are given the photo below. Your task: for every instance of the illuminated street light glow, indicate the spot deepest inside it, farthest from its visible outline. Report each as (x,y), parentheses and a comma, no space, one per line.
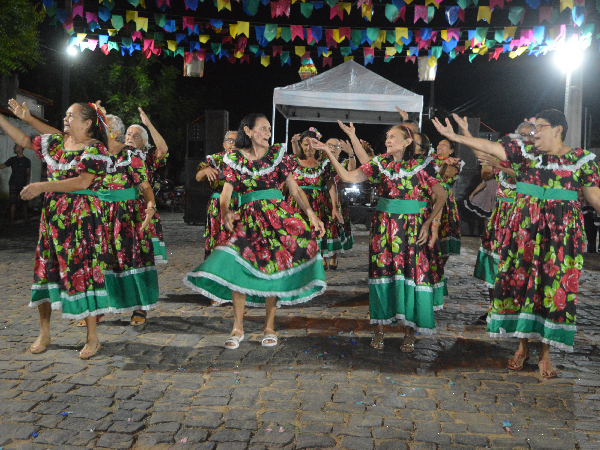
(569,56)
(71,50)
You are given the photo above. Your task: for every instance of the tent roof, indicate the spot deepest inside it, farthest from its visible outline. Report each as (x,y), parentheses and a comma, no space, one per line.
(349,92)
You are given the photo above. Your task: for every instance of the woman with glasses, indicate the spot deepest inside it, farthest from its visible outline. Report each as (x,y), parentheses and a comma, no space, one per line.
(316,178)
(535,292)
(212,170)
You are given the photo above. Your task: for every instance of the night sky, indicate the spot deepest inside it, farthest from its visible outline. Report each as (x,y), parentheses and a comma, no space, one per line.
(502,93)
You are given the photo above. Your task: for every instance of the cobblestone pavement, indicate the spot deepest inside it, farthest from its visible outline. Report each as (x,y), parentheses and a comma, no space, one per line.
(170,385)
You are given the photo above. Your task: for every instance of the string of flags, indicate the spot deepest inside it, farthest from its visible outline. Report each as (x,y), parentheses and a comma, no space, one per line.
(160,34)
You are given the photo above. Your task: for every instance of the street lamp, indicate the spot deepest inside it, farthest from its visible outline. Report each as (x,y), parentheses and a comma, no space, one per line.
(70,53)
(569,57)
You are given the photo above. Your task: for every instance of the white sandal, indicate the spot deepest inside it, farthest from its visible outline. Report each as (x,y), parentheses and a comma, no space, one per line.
(269,337)
(233,340)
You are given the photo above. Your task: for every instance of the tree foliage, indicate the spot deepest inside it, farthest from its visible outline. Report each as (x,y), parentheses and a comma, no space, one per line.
(19,43)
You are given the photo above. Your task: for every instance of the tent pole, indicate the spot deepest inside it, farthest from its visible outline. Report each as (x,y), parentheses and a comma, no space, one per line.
(273,126)
(287,128)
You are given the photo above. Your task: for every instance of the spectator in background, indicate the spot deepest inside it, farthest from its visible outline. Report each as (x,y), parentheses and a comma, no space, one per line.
(19,178)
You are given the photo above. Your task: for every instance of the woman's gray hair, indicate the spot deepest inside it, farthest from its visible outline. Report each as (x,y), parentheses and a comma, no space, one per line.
(524,124)
(228,134)
(144,134)
(116,125)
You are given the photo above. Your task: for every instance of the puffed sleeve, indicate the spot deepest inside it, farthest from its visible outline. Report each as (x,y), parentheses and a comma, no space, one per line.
(427,179)
(514,152)
(94,159)
(372,170)
(590,176)
(286,166)
(137,170)
(232,176)
(47,144)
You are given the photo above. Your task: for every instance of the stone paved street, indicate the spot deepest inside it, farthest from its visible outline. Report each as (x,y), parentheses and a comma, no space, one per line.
(170,384)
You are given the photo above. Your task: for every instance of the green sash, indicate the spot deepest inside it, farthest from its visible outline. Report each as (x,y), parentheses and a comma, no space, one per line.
(507,200)
(546,193)
(395,206)
(313,188)
(265,194)
(117,195)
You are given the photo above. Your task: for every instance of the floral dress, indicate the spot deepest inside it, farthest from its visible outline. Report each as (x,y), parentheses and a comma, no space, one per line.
(156,230)
(450,226)
(273,252)
(72,251)
(486,265)
(215,233)
(131,279)
(313,180)
(535,295)
(347,238)
(406,281)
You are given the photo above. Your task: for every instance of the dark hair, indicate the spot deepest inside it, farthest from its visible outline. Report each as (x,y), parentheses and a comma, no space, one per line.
(555,118)
(425,142)
(308,133)
(452,146)
(243,140)
(409,151)
(95,131)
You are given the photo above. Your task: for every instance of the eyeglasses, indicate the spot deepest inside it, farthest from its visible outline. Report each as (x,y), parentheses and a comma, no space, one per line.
(230,141)
(333,146)
(540,126)
(526,135)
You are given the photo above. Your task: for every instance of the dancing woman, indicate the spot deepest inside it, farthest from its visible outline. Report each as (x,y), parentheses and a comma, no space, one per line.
(405,277)
(72,250)
(347,240)
(132,279)
(273,257)
(215,234)
(448,168)
(156,157)
(316,178)
(535,293)
(486,265)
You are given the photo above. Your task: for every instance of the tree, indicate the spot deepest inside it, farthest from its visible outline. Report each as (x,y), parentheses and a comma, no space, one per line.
(19,43)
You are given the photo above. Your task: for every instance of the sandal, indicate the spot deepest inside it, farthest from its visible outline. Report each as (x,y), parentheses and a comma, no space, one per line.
(546,372)
(269,337)
(408,346)
(99,319)
(517,362)
(138,318)
(377,340)
(40,348)
(333,266)
(87,353)
(234,342)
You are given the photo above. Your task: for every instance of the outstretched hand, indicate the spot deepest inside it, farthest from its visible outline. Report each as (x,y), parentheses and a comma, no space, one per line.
(144,117)
(21,111)
(348,129)
(403,113)
(318,145)
(30,191)
(462,123)
(346,147)
(447,131)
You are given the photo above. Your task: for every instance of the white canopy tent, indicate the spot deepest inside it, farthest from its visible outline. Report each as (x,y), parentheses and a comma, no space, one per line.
(348,92)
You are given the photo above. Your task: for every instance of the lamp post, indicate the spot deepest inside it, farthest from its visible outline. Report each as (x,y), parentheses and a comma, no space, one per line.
(70,53)
(569,57)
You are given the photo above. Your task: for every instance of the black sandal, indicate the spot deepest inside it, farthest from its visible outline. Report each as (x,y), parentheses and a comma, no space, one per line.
(138,318)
